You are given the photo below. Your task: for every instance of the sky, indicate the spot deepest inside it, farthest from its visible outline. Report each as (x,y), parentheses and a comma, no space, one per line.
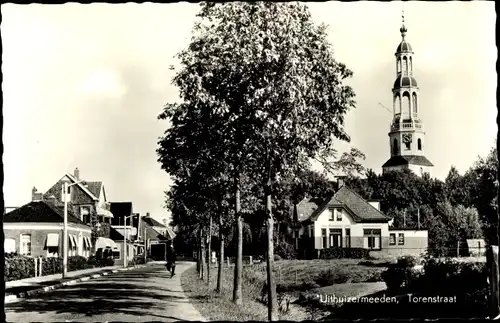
(83,86)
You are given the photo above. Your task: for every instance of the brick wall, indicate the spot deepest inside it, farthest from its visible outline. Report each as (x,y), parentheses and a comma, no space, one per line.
(39,238)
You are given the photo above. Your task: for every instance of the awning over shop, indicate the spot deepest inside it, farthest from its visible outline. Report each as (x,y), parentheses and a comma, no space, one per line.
(53,240)
(87,242)
(104,212)
(72,240)
(105,243)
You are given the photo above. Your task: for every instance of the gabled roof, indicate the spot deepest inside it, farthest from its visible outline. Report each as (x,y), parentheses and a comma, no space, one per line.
(153,234)
(355,205)
(85,189)
(305,208)
(406,160)
(95,188)
(41,211)
(152,222)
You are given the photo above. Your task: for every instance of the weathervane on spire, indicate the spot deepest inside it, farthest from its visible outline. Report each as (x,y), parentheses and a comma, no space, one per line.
(403,29)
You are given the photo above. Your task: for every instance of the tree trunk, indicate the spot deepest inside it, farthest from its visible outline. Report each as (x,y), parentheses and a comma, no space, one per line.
(209,249)
(203,256)
(220,273)
(237,293)
(272,310)
(198,260)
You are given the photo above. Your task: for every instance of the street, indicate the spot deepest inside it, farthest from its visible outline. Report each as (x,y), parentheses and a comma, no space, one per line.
(140,295)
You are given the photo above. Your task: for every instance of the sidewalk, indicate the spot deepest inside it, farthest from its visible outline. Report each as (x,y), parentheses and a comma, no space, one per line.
(15,290)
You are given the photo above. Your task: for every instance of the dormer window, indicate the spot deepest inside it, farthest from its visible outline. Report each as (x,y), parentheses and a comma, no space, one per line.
(339,214)
(331,215)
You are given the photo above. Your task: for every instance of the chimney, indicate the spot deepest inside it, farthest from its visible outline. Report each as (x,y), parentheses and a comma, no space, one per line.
(77,174)
(340,181)
(147,215)
(35,195)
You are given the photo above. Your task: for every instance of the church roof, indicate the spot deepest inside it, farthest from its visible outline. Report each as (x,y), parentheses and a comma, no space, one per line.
(407,160)
(405,81)
(404,46)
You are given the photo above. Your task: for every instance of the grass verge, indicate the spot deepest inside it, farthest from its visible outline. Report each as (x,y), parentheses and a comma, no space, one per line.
(220,307)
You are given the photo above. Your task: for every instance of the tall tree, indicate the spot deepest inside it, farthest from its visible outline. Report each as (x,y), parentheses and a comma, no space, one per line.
(274,70)
(484,178)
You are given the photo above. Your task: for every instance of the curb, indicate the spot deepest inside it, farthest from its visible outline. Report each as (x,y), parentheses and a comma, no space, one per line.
(14,298)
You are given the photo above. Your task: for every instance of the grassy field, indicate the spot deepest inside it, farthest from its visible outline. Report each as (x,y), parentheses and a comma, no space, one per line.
(293,277)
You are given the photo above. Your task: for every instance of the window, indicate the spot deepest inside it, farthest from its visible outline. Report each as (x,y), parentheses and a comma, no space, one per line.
(347,238)
(85,213)
(331,216)
(401,239)
(52,252)
(419,144)
(116,254)
(392,239)
(25,244)
(395,147)
(339,214)
(372,239)
(335,238)
(323,235)
(9,245)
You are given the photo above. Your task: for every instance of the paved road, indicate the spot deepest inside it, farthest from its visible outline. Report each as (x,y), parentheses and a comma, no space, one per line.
(140,295)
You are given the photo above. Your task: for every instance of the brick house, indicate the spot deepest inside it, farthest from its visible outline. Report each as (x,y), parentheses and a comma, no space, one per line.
(156,236)
(346,220)
(88,199)
(36,229)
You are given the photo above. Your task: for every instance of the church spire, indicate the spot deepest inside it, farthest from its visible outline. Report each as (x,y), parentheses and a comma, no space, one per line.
(406,132)
(403,29)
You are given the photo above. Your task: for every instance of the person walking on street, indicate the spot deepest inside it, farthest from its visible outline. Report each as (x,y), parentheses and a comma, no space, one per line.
(171,258)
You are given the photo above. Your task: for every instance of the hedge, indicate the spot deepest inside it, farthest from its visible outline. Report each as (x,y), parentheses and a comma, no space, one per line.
(20,266)
(436,277)
(339,253)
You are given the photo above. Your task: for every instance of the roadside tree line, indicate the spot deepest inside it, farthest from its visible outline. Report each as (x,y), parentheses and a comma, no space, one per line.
(261,94)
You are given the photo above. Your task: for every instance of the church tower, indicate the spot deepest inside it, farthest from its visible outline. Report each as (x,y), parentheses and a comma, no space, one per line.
(406,135)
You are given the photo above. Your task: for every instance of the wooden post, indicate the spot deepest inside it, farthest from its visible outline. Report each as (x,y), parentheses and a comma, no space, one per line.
(36,266)
(41,266)
(228,263)
(458,248)
(492,258)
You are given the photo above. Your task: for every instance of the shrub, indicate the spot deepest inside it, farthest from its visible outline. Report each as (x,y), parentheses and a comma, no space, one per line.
(77,263)
(437,277)
(51,266)
(18,267)
(277,257)
(285,250)
(402,275)
(408,261)
(450,276)
(339,253)
(92,262)
(331,276)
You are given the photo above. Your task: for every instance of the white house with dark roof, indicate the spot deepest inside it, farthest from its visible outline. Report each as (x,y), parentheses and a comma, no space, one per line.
(346,220)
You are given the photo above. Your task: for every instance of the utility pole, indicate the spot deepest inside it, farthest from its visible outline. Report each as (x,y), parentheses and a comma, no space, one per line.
(418,217)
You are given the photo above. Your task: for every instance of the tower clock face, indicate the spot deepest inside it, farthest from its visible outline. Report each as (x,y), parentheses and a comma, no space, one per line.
(407,138)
